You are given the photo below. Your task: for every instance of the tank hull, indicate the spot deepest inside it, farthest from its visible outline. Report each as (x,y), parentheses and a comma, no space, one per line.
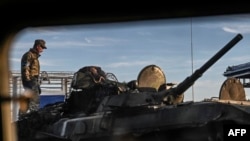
(190,121)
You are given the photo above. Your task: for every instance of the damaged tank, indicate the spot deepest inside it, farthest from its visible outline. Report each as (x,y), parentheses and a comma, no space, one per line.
(101,108)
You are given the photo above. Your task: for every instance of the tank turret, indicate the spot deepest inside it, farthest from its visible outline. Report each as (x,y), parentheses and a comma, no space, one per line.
(169,96)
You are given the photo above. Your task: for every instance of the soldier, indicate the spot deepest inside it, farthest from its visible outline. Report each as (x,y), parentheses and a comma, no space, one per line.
(30,70)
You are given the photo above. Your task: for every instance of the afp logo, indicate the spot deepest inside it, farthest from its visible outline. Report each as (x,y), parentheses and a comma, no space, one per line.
(236,131)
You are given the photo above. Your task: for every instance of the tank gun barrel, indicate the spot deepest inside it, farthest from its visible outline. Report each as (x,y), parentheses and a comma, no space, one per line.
(169,95)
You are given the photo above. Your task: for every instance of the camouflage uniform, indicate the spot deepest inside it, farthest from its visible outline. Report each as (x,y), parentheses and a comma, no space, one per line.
(30,69)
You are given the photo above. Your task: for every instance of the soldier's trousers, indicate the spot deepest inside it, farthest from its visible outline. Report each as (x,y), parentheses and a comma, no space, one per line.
(33,87)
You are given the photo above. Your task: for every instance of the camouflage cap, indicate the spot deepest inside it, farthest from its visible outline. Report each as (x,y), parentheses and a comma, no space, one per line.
(40,42)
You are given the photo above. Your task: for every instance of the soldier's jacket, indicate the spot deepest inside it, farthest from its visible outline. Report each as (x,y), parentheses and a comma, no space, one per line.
(30,66)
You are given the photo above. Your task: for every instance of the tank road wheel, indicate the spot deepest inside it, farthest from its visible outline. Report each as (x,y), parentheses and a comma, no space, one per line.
(232,89)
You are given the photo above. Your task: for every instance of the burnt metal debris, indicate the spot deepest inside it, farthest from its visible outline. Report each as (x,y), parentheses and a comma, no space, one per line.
(99,108)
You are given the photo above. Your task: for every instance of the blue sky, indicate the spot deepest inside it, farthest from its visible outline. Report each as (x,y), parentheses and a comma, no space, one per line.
(126,48)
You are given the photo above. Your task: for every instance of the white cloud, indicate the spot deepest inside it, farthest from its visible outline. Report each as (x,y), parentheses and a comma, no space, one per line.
(144,33)
(128,64)
(70,43)
(243,59)
(15,60)
(50,63)
(237,29)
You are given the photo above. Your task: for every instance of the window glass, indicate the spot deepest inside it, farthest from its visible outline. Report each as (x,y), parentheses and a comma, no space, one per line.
(177,46)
